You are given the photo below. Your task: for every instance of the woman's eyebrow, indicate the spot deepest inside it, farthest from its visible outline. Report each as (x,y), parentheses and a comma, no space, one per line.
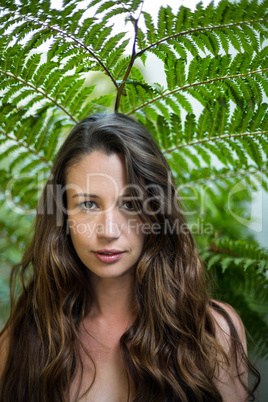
(127,195)
(85,195)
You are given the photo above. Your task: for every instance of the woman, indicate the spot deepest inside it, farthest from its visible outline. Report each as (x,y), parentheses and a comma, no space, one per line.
(114,305)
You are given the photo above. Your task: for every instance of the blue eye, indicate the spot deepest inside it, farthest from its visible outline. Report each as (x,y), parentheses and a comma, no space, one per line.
(87,205)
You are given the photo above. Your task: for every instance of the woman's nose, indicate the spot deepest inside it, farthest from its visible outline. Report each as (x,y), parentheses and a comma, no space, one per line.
(110,227)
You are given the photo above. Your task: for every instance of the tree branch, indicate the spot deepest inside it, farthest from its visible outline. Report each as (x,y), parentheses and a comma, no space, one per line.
(40,92)
(166,94)
(222,176)
(133,57)
(31,150)
(199,30)
(220,137)
(78,42)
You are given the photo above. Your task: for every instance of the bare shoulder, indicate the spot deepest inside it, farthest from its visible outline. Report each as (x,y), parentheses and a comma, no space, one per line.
(231,374)
(224,327)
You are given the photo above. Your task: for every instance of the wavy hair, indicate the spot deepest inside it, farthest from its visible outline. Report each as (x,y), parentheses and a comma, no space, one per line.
(170,352)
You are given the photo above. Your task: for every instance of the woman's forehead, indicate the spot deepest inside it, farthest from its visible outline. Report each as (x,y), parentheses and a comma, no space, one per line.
(99,170)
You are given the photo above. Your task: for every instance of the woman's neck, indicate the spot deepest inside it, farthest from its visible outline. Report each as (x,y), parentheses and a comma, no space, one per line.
(113,298)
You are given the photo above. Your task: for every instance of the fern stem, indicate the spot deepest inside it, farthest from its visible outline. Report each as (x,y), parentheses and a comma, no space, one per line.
(166,94)
(31,150)
(219,250)
(191,31)
(40,92)
(78,42)
(132,60)
(222,176)
(220,137)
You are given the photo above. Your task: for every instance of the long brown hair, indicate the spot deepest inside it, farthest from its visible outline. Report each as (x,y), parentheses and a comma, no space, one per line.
(170,352)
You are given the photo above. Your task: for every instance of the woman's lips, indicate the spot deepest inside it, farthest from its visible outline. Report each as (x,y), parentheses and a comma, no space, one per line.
(108,256)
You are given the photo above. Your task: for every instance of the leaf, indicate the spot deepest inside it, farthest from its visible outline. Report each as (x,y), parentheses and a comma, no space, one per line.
(193,70)
(189,127)
(170,75)
(150,28)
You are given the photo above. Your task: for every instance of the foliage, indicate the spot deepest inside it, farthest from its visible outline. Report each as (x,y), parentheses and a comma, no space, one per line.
(210,118)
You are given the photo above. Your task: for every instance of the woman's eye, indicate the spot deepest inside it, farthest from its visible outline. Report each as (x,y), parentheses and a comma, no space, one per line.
(87,205)
(128,205)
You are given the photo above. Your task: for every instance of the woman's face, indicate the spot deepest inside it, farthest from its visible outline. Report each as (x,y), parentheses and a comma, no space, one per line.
(105,229)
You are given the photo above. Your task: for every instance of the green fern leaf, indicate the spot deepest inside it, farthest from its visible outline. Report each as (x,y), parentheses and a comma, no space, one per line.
(189,127)
(176,128)
(114,12)
(212,70)
(259,58)
(80,99)
(203,123)
(208,16)
(39,38)
(200,94)
(76,19)
(168,18)
(193,159)
(179,70)
(183,18)
(102,36)
(151,30)
(141,41)
(105,6)
(85,25)
(76,90)
(252,36)
(223,40)
(254,151)
(120,68)
(93,3)
(259,119)
(224,13)
(170,76)
(179,48)
(8,151)
(204,67)
(163,128)
(256,89)
(199,41)
(97,105)
(112,43)
(232,34)
(198,16)
(22,156)
(211,41)
(234,93)
(161,22)
(135,4)
(183,101)
(222,152)
(31,66)
(193,70)
(115,55)
(93,33)
(174,106)
(66,13)
(243,160)
(189,45)
(204,155)
(244,42)
(236,121)
(239,64)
